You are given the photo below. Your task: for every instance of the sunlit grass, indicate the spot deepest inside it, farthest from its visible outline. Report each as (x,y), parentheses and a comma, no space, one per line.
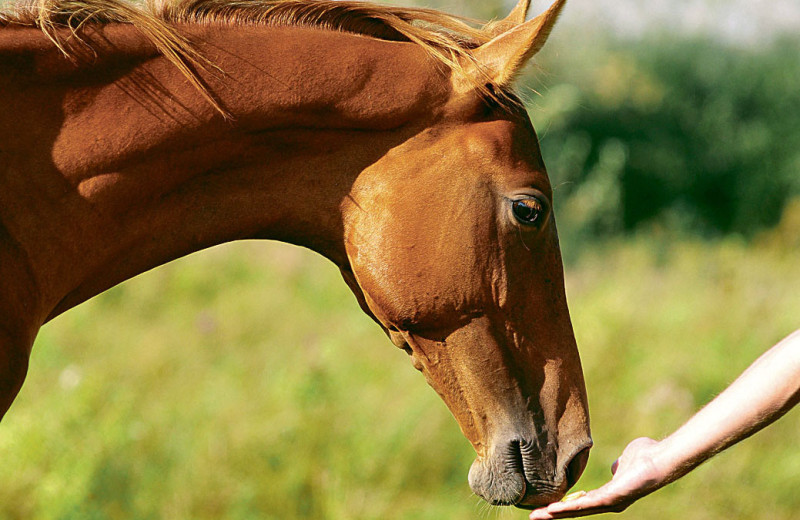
(244,383)
(240,383)
(663,327)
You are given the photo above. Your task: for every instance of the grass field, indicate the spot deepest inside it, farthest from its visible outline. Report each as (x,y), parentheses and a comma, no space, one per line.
(245,383)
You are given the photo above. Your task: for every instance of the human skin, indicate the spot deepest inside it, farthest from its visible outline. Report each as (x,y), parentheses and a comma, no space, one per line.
(759,396)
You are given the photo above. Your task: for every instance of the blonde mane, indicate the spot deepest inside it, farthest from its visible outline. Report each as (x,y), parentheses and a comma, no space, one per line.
(445,37)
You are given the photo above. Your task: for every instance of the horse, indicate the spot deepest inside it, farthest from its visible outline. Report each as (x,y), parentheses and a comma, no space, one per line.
(389,140)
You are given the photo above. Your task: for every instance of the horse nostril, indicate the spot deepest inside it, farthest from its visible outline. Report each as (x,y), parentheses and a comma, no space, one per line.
(576,467)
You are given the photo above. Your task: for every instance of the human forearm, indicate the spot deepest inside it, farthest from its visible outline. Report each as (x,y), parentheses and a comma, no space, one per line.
(762,394)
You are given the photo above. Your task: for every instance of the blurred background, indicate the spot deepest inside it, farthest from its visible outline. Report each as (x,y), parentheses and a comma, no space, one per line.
(245,383)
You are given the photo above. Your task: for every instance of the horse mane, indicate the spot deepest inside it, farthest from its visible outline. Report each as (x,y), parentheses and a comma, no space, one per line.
(445,37)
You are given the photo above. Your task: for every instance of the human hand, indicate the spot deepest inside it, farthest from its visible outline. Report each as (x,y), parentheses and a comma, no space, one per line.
(636,474)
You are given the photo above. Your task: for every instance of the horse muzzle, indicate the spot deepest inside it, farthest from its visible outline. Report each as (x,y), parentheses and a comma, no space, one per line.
(521,474)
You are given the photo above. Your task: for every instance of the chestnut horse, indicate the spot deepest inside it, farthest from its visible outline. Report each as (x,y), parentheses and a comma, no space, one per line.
(386,139)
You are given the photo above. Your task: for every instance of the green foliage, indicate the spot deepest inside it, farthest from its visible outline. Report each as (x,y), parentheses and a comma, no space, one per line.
(244,383)
(699,135)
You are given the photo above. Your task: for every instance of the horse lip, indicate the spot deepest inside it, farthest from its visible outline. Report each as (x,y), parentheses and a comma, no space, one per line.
(537,499)
(491,480)
(515,502)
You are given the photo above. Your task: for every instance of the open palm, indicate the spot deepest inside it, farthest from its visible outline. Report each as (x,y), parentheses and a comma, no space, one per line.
(635,475)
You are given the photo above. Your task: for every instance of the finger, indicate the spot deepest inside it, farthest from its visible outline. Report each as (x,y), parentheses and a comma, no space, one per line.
(578,508)
(578,504)
(585,512)
(592,501)
(614,467)
(557,508)
(540,514)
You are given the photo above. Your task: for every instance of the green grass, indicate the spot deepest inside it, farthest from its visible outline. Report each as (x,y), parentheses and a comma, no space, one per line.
(244,383)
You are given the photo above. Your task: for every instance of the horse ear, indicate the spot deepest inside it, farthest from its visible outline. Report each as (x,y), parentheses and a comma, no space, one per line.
(515,18)
(503,57)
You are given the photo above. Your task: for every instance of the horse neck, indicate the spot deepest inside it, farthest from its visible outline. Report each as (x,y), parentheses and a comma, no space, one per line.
(122,165)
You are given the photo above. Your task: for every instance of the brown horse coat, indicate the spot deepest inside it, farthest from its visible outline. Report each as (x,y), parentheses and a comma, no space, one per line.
(131,137)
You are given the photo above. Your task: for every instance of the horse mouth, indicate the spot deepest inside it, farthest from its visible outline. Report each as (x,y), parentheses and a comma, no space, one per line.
(535,498)
(512,479)
(539,494)
(517,491)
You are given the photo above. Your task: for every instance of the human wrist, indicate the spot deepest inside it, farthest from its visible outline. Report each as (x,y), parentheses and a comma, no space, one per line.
(675,456)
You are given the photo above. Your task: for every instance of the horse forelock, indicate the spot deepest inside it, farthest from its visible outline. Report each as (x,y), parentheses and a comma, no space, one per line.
(449,39)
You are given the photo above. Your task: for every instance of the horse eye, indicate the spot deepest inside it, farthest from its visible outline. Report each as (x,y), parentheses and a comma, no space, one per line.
(527,211)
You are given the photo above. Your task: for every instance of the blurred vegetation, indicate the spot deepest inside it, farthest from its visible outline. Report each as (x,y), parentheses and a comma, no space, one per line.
(692,134)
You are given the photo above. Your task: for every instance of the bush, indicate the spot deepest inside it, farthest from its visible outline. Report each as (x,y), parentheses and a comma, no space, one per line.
(696,134)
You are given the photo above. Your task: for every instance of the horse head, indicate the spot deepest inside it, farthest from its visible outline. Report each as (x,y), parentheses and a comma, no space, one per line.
(452,247)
